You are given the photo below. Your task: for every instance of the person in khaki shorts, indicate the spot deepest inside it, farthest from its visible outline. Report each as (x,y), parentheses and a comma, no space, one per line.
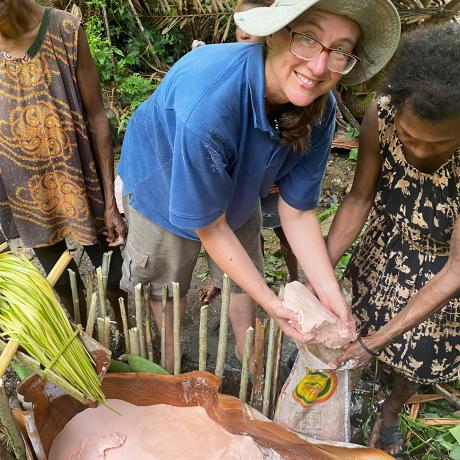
(226,123)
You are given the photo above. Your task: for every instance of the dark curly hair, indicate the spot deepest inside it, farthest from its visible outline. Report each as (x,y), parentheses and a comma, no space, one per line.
(426,72)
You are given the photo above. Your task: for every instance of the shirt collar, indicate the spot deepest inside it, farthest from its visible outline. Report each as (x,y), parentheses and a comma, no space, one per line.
(256,78)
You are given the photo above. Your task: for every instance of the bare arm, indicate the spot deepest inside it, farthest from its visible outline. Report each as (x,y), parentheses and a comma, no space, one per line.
(227,252)
(352,213)
(304,235)
(430,299)
(99,128)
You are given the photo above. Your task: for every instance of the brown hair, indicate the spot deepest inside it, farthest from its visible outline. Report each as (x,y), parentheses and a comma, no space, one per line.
(295,123)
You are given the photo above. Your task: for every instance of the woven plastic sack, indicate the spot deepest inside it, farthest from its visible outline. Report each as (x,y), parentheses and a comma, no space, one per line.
(315,400)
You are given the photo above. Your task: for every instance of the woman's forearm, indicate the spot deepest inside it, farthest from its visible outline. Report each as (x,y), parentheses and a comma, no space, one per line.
(430,299)
(227,252)
(346,226)
(304,235)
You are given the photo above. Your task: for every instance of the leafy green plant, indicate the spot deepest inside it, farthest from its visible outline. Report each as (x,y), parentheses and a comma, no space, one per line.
(432,442)
(353,155)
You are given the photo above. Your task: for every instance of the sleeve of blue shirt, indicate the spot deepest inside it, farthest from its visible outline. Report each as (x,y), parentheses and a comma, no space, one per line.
(201,184)
(301,187)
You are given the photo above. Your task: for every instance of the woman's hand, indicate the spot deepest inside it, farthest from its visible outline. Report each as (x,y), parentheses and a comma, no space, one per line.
(355,355)
(116,226)
(283,316)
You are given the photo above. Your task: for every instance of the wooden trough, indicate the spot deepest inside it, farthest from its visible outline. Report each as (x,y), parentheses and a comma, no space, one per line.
(53,409)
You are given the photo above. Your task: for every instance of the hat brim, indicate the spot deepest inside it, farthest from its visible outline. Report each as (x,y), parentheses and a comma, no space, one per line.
(267,20)
(378,20)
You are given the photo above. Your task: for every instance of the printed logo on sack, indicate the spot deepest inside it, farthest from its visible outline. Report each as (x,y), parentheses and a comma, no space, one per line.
(316,387)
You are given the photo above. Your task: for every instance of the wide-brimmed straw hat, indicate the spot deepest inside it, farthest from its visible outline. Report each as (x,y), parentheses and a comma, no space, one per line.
(378,20)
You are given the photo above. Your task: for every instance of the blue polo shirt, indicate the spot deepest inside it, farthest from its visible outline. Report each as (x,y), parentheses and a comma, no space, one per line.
(202,145)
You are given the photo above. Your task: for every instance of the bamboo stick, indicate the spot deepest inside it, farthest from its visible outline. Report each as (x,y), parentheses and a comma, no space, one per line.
(107,330)
(104,269)
(414,410)
(3,246)
(440,421)
(276,365)
(134,341)
(269,368)
(246,361)
(259,349)
(203,341)
(75,299)
(447,395)
(59,268)
(101,290)
(428,397)
(7,355)
(148,322)
(140,318)
(223,329)
(89,290)
(100,331)
(278,350)
(9,425)
(176,328)
(164,303)
(91,315)
(124,320)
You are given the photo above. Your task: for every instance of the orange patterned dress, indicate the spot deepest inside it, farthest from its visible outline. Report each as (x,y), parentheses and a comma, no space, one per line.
(405,244)
(49,185)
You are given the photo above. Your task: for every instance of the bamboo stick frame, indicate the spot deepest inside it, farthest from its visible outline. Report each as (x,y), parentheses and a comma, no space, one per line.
(134,341)
(91,315)
(101,291)
(176,328)
(124,320)
(138,300)
(248,342)
(203,338)
(223,329)
(148,321)
(269,368)
(164,304)
(75,299)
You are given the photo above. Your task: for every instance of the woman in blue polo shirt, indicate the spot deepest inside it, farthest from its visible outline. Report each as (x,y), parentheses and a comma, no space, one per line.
(227,122)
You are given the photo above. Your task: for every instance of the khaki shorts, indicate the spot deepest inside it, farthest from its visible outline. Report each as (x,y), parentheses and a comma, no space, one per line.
(156,256)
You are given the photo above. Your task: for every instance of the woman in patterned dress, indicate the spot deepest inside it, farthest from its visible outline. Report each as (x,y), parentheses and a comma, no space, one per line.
(56,156)
(405,270)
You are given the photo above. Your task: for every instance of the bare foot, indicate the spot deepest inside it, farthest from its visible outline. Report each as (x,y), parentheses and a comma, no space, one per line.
(207,292)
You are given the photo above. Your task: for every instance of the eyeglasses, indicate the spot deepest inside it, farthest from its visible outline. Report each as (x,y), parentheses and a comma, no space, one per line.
(307,48)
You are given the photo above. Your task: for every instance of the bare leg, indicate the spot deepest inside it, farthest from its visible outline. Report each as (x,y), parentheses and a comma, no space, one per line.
(157,307)
(402,389)
(242,315)
(289,257)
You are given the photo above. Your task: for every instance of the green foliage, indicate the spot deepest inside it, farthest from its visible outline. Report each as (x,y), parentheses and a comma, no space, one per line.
(275,269)
(129,60)
(353,155)
(351,132)
(432,442)
(22,371)
(136,364)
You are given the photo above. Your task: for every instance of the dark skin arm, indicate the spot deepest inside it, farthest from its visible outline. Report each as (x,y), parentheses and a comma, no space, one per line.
(430,299)
(99,129)
(352,213)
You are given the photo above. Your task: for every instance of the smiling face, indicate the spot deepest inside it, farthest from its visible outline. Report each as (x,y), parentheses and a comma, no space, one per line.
(427,144)
(291,79)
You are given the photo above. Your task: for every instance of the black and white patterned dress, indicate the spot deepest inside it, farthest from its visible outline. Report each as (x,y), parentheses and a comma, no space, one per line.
(405,244)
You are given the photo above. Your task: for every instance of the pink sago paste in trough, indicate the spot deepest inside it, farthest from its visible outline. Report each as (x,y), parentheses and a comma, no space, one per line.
(158,432)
